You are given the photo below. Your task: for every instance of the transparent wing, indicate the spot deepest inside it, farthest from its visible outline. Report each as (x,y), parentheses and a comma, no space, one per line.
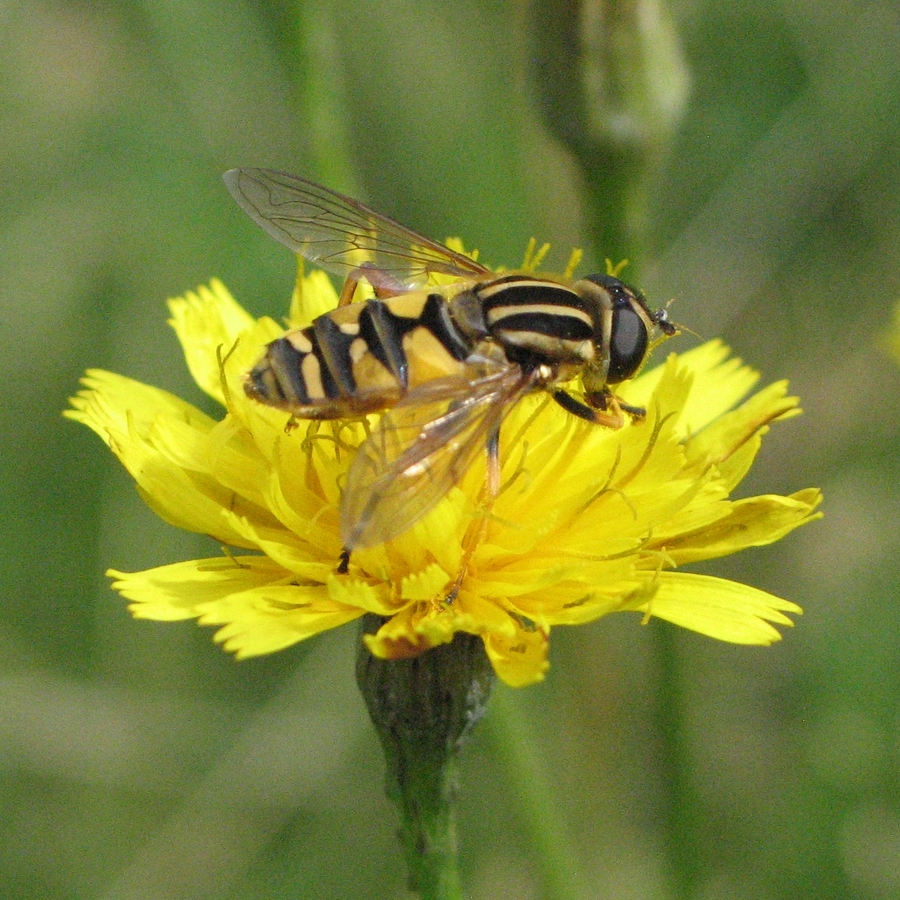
(420,449)
(341,234)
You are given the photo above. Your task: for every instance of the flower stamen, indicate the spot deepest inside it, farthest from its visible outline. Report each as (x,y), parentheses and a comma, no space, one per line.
(226,551)
(223,381)
(650,445)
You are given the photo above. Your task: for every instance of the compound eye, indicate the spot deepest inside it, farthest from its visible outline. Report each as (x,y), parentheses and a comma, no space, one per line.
(627,343)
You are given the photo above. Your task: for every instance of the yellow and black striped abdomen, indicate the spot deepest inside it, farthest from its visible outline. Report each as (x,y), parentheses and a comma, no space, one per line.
(360,358)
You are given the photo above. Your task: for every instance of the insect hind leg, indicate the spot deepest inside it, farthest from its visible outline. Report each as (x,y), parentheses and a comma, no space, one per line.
(475,533)
(386,286)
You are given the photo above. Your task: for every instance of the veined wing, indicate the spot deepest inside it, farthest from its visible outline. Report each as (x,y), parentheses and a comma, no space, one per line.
(341,234)
(420,449)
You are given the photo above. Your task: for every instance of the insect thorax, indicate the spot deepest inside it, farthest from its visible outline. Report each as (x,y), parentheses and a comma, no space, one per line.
(537,322)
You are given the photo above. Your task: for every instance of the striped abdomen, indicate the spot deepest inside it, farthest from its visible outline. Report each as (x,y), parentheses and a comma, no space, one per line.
(360,358)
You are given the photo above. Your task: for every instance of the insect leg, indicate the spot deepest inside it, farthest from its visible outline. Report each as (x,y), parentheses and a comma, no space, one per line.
(477,528)
(493,467)
(347,291)
(382,283)
(636,412)
(608,411)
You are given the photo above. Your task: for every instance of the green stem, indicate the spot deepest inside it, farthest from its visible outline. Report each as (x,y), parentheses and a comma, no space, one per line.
(424,796)
(422,709)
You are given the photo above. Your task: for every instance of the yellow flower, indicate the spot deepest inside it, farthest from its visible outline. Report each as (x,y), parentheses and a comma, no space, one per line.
(589,521)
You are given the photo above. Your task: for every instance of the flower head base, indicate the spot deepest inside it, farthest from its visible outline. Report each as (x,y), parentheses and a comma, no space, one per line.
(589,520)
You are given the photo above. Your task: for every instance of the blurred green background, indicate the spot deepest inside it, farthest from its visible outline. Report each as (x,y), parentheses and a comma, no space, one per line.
(139,761)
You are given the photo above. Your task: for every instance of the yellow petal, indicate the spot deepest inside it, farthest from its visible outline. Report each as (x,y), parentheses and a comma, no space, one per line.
(192,500)
(402,638)
(349,591)
(717,382)
(160,440)
(302,510)
(522,660)
(721,609)
(236,461)
(269,618)
(303,560)
(180,590)
(314,295)
(419,627)
(746,423)
(437,537)
(714,391)
(113,404)
(209,323)
(484,616)
(753,522)
(597,593)
(425,584)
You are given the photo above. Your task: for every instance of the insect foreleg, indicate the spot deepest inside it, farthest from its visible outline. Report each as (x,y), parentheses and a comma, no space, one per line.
(607,409)
(636,412)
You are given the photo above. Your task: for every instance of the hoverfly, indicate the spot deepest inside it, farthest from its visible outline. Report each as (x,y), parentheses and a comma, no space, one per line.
(445,364)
